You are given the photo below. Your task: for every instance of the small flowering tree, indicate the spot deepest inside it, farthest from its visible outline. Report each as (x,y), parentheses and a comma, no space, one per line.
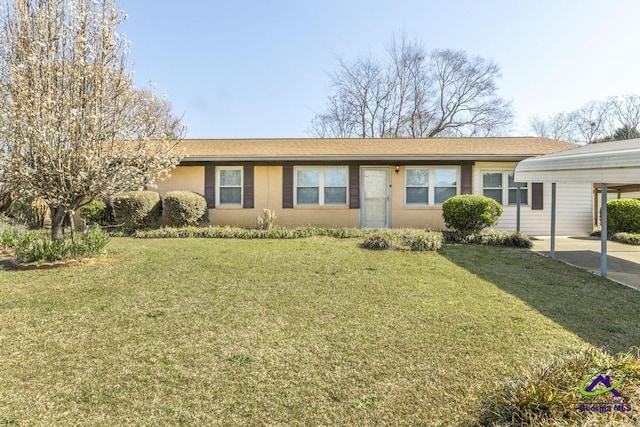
(73,127)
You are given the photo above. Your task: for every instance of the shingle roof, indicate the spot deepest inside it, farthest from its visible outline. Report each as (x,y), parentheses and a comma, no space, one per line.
(370,149)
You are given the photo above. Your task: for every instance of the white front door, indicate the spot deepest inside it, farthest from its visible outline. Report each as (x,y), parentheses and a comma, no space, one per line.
(375,198)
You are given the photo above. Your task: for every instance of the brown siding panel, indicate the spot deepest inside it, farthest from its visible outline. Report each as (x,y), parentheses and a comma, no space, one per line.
(248,191)
(287,187)
(466,178)
(354,187)
(537,196)
(210,186)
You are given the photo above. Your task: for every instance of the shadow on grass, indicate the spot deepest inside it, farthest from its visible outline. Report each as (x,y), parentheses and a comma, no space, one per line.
(599,311)
(5,264)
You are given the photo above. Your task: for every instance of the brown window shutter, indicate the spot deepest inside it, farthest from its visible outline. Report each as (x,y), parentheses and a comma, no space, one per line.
(466,178)
(287,187)
(537,196)
(354,187)
(210,186)
(247,190)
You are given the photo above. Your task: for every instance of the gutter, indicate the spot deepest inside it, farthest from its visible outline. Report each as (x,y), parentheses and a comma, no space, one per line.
(324,158)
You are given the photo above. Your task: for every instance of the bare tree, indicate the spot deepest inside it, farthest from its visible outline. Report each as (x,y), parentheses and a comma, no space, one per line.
(414,93)
(626,110)
(596,121)
(591,122)
(72,125)
(558,126)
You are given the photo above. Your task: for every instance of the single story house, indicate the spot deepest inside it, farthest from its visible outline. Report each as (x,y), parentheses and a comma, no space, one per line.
(372,183)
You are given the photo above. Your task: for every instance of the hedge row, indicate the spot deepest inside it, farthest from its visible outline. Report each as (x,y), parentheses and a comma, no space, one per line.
(628,238)
(408,239)
(143,209)
(218,232)
(414,240)
(491,237)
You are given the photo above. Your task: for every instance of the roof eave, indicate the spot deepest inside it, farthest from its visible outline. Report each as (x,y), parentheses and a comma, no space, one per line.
(359,158)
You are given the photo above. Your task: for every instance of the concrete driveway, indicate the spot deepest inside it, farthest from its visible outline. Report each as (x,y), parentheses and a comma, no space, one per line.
(623,261)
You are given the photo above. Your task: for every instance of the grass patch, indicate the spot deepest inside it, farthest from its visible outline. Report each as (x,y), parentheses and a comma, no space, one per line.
(546,393)
(313,331)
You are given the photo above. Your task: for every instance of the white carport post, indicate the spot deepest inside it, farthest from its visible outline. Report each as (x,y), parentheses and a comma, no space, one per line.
(603,231)
(552,249)
(518,207)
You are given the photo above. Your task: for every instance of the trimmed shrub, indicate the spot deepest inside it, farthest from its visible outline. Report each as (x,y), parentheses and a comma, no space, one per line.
(428,241)
(184,208)
(137,209)
(97,212)
(491,237)
(470,213)
(623,215)
(549,393)
(628,238)
(378,241)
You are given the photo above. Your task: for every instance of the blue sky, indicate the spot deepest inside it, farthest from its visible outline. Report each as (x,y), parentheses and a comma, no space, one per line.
(244,69)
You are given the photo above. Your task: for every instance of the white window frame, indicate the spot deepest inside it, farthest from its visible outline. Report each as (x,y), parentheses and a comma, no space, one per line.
(428,169)
(431,188)
(219,170)
(523,186)
(505,187)
(321,186)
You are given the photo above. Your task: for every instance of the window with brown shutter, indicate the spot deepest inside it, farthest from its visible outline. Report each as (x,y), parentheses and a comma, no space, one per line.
(287,187)
(354,187)
(248,193)
(537,196)
(210,186)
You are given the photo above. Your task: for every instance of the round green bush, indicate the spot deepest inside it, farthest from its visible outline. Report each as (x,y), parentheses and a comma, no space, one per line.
(184,208)
(137,209)
(470,213)
(623,215)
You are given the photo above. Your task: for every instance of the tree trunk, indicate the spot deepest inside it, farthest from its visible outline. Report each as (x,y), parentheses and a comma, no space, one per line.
(57,219)
(72,230)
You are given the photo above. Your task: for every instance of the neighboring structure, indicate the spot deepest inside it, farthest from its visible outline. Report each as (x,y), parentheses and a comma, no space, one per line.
(372,183)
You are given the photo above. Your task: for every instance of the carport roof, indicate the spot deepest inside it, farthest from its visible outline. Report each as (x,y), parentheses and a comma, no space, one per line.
(609,162)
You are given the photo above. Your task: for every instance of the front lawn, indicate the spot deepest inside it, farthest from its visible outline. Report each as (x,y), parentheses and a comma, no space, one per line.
(315,331)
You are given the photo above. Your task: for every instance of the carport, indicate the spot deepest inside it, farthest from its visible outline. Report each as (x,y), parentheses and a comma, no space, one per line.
(612,165)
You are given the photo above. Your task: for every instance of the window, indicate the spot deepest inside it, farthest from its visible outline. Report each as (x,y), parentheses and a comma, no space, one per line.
(513,192)
(429,186)
(500,187)
(321,185)
(417,186)
(229,182)
(446,184)
(492,185)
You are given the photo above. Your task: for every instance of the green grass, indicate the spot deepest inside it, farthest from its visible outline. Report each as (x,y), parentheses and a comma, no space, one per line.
(314,331)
